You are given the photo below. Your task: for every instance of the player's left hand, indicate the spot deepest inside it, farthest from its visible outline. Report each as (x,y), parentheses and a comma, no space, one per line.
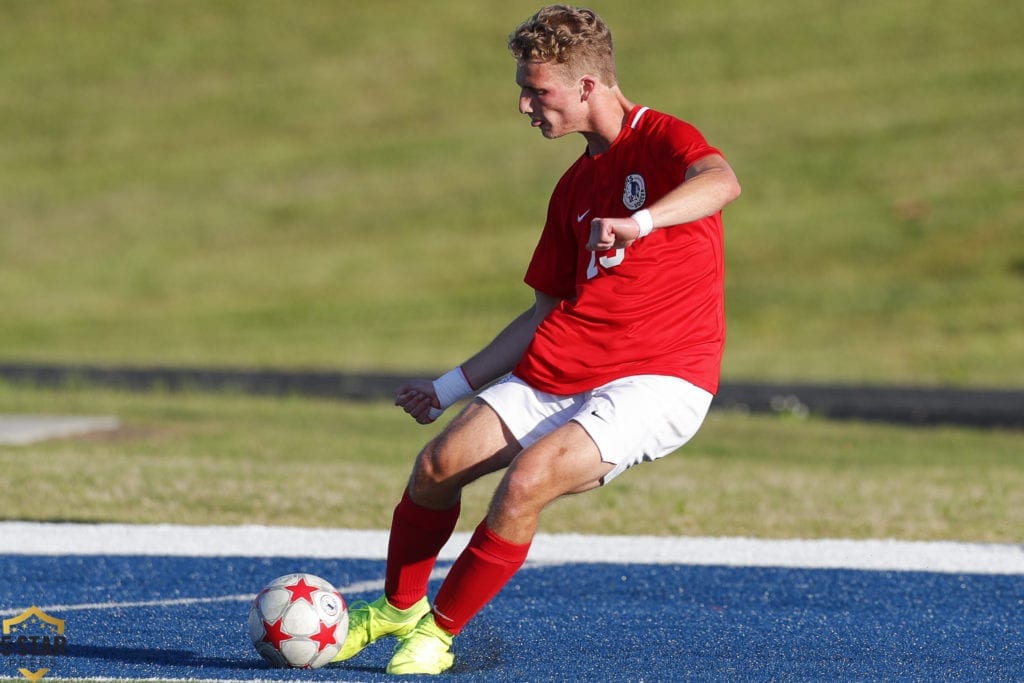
(612,233)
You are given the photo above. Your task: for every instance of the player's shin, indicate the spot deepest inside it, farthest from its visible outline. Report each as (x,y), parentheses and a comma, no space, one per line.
(417,536)
(480,572)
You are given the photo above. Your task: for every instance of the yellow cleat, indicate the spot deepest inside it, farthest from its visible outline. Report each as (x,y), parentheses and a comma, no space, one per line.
(426,650)
(371,621)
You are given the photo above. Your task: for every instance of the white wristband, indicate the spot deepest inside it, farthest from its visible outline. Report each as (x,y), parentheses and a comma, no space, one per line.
(451,387)
(644,220)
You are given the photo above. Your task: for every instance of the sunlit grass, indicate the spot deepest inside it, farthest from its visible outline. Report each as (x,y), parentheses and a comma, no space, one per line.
(348,186)
(225,459)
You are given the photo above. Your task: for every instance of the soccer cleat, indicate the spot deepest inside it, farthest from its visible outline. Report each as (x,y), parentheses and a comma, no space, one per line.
(370,621)
(426,650)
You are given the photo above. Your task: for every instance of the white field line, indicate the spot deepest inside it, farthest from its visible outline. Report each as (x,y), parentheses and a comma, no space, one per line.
(33,538)
(375,587)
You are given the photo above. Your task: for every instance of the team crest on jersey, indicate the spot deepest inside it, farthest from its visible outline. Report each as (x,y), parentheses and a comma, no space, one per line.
(635,193)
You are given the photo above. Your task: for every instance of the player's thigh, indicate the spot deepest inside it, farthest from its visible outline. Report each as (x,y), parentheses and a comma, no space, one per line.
(476,442)
(563,462)
(642,418)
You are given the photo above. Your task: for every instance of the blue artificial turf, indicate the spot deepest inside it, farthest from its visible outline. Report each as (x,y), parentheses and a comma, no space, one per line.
(598,622)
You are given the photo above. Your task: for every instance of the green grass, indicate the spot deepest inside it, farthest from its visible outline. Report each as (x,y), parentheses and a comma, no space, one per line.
(225,459)
(349,185)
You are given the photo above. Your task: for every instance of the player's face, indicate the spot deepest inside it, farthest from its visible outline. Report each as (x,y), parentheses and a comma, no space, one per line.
(552,101)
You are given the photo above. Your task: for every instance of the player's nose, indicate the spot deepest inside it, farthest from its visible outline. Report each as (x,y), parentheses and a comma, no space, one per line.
(525,103)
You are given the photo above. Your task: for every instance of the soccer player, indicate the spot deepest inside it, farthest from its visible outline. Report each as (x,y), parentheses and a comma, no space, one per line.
(614,364)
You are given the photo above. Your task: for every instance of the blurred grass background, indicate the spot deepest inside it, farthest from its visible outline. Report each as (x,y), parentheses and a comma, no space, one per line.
(349,186)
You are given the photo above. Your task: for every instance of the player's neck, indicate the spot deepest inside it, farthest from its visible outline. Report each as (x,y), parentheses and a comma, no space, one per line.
(608,116)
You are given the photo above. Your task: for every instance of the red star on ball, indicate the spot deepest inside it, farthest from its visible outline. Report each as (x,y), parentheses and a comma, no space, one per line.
(302,591)
(275,634)
(325,637)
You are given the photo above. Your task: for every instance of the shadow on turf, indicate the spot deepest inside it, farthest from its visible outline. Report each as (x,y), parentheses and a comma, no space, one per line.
(485,651)
(139,655)
(480,661)
(482,652)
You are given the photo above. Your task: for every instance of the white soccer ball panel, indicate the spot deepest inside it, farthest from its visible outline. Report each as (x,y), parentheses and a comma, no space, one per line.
(342,632)
(256,631)
(324,656)
(330,605)
(299,652)
(301,619)
(273,603)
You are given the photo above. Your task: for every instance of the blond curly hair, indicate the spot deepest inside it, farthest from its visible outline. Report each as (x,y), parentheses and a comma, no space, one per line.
(573,36)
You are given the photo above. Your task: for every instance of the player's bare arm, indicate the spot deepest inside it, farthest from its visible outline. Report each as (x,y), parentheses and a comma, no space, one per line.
(417,397)
(709,186)
(500,356)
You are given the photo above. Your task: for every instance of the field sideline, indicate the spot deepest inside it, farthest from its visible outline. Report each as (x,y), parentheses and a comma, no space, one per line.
(42,538)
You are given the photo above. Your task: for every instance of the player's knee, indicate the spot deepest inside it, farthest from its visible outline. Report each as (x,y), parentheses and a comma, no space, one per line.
(430,464)
(522,492)
(434,474)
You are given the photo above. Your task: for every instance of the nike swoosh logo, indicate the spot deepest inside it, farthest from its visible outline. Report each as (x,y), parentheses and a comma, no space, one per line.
(579,218)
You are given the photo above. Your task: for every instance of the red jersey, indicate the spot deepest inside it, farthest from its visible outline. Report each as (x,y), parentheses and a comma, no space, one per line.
(653,308)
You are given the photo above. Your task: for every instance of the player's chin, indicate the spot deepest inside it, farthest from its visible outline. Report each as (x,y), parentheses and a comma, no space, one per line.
(556,133)
(546,129)
(550,132)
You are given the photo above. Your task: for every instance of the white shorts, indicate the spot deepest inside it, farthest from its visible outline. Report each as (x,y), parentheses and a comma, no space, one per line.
(632,420)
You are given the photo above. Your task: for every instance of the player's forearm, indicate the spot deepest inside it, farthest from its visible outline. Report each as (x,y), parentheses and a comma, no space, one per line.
(502,353)
(494,360)
(707,191)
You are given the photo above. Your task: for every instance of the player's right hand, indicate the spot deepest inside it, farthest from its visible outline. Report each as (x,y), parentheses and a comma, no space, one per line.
(612,233)
(418,399)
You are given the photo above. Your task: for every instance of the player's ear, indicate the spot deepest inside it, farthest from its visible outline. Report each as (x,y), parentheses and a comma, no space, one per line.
(587,85)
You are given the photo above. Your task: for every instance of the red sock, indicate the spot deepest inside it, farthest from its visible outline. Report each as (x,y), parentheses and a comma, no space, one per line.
(483,569)
(417,536)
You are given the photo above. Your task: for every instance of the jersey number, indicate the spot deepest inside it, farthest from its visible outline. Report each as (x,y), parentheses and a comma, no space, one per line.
(606,261)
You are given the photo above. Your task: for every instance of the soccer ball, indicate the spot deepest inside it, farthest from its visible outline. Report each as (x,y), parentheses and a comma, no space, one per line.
(298,621)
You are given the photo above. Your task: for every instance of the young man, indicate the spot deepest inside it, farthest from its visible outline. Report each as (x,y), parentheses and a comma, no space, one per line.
(614,364)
